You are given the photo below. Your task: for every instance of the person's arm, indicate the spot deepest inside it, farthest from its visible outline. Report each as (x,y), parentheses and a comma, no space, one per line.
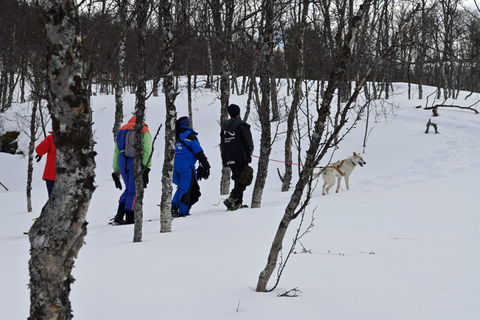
(197,150)
(44,146)
(147,149)
(116,152)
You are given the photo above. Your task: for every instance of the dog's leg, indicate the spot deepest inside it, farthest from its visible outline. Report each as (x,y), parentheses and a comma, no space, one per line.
(347,182)
(325,182)
(339,179)
(327,189)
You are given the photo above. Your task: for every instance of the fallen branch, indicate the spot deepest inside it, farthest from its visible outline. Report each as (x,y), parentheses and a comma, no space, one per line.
(450,106)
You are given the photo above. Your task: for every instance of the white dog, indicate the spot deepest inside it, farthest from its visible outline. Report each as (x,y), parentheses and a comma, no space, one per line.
(339,169)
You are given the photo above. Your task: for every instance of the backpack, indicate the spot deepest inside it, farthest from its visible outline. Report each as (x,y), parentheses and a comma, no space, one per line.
(129,144)
(126,141)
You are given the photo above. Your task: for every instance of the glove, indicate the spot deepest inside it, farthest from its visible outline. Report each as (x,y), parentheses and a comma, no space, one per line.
(205,164)
(145,177)
(38,157)
(202,173)
(118,185)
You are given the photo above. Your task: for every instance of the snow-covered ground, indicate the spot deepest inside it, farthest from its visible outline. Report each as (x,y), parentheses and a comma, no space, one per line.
(401,244)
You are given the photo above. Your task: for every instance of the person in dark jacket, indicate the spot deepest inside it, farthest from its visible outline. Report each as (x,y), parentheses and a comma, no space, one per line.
(187,152)
(236,145)
(49,174)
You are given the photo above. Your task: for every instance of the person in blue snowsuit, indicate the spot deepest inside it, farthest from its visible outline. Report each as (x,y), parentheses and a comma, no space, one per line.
(187,152)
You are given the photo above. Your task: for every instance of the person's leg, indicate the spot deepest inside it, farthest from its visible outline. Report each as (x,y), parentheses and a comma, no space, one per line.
(176,180)
(238,188)
(235,200)
(183,187)
(128,196)
(50,184)
(129,217)
(120,213)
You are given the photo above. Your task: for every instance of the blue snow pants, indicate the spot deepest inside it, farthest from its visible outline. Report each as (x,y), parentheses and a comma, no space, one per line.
(125,164)
(182,177)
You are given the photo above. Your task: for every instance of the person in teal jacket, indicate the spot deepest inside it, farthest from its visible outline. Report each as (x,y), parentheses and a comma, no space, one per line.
(123,166)
(187,152)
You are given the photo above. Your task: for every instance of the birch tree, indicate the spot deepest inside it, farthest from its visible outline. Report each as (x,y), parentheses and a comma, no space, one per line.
(170,118)
(118,82)
(291,211)
(315,153)
(223,32)
(264,108)
(58,234)
(142,9)
(298,47)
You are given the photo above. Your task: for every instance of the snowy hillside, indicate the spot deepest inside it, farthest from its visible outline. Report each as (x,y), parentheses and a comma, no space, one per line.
(401,244)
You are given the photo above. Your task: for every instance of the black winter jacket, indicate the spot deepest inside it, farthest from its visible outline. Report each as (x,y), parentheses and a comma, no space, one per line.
(236,143)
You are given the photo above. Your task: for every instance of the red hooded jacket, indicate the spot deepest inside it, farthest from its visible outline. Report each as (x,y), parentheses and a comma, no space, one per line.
(47,146)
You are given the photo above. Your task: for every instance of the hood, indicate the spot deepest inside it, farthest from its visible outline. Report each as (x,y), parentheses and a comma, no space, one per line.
(232,124)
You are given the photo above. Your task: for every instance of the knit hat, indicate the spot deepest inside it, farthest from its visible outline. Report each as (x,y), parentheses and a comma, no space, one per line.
(233,110)
(183,121)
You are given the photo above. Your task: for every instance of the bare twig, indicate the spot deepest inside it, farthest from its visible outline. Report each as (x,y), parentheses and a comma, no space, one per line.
(290,293)
(4,186)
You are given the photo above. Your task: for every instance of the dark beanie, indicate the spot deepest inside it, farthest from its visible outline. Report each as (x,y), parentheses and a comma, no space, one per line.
(183,121)
(233,110)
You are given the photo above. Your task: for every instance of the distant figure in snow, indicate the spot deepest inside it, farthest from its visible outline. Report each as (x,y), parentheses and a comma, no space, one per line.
(48,147)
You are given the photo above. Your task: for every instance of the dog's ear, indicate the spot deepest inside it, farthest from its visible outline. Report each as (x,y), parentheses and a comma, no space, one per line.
(354,154)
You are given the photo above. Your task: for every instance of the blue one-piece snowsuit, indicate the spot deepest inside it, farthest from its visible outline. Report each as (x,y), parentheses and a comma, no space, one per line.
(184,175)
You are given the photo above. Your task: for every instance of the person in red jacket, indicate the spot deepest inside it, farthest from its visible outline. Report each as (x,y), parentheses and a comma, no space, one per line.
(48,147)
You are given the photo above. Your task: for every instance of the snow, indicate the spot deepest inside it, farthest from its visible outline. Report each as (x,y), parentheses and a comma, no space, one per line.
(401,244)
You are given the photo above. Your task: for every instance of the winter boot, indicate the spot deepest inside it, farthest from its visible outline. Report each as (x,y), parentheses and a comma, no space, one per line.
(230,203)
(174,211)
(129,217)
(118,219)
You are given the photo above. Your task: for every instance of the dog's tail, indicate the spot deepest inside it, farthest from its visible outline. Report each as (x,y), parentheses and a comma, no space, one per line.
(316,174)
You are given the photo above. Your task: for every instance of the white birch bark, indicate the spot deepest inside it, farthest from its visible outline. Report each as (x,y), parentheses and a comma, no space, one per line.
(57,235)
(142,8)
(264,110)
(171,114)
(118,81)
(31,149)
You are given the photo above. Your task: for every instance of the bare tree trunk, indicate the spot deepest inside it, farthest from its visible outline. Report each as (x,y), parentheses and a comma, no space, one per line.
(118,82)
(273,99)
(264,110)
(223,32)
(142,9)
(291,211)
(171,114)
(57,235)
(209,84)
(189,96)
(297,92)
(31,149)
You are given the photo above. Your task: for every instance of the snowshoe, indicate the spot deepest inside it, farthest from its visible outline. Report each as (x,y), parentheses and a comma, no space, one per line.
(114,222)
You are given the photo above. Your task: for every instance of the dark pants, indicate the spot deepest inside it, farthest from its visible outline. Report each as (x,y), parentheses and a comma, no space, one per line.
(238,188)
(50,184)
